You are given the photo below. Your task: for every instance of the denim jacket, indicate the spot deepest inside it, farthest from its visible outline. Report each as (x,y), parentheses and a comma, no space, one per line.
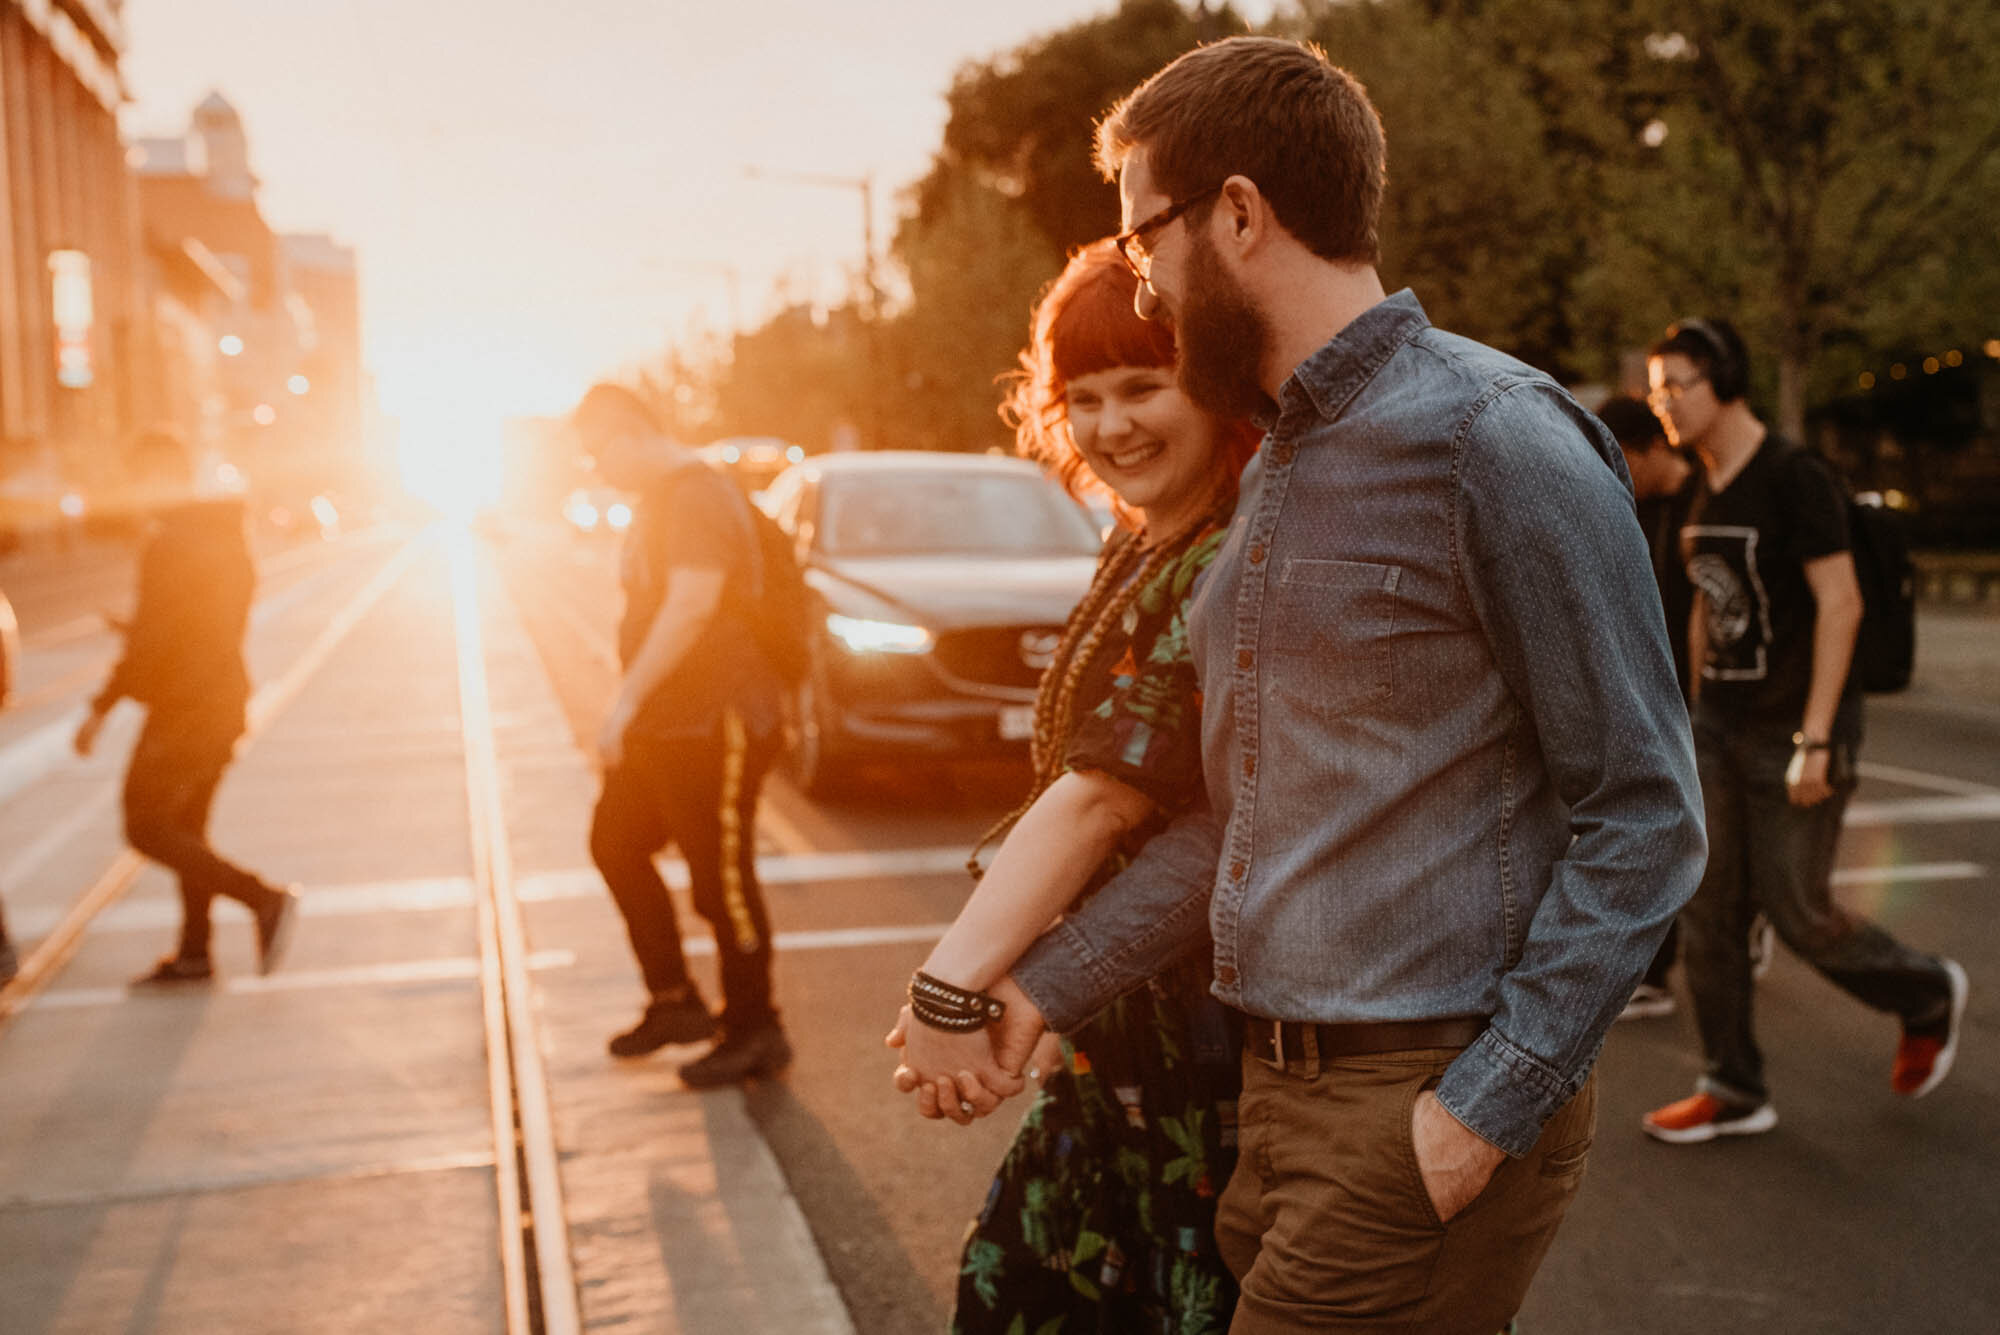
(1448,768)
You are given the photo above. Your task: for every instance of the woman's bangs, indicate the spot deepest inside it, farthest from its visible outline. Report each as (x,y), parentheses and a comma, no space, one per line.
(1097,329)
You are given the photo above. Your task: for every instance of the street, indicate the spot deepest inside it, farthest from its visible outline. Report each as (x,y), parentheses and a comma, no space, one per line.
(317,1150)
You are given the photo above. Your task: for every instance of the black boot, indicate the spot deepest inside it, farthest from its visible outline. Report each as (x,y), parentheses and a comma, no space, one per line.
(682,1019)
(740,1056)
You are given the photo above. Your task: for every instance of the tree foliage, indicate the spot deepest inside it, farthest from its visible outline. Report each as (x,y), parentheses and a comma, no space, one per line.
(1829,172)
(1566,177)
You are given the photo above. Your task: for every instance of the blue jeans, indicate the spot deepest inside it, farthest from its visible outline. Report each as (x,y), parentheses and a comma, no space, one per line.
(1767,855)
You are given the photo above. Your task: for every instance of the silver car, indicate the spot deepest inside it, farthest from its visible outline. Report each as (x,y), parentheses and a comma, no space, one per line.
(940,584)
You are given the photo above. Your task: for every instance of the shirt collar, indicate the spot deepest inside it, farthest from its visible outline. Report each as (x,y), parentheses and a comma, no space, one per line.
(1320,386)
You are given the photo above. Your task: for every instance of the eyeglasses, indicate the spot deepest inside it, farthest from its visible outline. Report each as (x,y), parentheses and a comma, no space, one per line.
(1670,391)
(1133,245)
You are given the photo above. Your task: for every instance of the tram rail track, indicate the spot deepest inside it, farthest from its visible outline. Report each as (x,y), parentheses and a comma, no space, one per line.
(539,1279)
(539,1289)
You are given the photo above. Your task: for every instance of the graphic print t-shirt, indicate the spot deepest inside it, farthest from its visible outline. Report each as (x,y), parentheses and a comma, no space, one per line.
(1747,547)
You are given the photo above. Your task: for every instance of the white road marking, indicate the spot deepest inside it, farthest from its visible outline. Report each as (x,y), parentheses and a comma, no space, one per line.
(35,755)
(441,893)
(463,968)
(342,901)
(1916,778)
(26,761)
(838,938)
(1910,875)
(446,893)
(151,1191)
(1924,811)
(30,859)
(447,970)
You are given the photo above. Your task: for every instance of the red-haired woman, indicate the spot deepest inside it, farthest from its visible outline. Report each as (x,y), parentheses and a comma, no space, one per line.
(1101,1216)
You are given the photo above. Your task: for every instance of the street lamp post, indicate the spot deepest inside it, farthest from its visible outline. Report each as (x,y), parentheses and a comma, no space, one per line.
(865,186)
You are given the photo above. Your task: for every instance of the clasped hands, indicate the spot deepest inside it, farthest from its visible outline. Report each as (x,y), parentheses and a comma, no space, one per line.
(962,1076)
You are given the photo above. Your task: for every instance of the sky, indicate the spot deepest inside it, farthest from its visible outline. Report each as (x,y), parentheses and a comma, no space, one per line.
(543,194)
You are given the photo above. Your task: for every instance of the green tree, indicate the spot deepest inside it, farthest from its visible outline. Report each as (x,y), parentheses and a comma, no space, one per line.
(1827,175)
(799,375)
(1011,190)
(1478,217)
(975,263)
(1023,123)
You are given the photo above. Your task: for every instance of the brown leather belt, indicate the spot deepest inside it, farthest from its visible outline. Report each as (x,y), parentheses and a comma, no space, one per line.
(1274,1042)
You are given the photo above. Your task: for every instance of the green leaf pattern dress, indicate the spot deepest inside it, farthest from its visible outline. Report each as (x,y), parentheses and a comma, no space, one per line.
(1101,1217)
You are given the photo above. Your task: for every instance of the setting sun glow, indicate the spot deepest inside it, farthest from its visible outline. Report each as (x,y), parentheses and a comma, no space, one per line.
(449,456)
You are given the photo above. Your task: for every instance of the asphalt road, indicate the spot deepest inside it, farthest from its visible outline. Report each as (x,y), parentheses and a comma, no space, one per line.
(1863,1213)
(331,1122)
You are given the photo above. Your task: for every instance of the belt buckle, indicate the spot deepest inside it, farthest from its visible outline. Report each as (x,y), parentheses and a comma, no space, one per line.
(1276,1061)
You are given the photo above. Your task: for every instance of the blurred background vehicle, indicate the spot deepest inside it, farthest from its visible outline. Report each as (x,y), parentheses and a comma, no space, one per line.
(940,585)
(597,510)
(754,462)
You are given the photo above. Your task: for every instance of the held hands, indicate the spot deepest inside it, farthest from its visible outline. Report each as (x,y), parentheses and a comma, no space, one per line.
(1456,1163)
(963,1076)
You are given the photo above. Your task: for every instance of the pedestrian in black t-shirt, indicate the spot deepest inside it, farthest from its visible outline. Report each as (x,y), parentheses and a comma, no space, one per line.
(687,743)
(183,661)
(1777,725)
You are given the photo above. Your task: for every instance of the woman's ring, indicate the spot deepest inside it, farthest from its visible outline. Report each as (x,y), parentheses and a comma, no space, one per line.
(965,1107)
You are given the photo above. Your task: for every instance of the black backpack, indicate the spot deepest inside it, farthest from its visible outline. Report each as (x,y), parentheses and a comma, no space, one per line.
(780,609)
(1885,648)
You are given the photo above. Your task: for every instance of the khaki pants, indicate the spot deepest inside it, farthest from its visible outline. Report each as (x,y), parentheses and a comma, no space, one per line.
(1326,1223)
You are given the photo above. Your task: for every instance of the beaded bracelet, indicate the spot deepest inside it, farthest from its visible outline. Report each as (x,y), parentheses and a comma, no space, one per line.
(941,1006)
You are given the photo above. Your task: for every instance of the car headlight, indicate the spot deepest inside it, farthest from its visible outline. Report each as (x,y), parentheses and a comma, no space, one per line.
(877,637)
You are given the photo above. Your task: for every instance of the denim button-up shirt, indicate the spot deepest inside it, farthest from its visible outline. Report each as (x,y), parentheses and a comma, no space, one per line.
(1448,767)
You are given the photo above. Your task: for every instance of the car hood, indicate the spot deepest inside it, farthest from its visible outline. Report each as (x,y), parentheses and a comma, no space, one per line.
(949,593)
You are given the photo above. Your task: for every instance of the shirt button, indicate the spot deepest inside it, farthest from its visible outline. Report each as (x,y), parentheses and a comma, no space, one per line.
(1226,976)
(1249,767)
(1244,658)
(1236,870)
(1257,555)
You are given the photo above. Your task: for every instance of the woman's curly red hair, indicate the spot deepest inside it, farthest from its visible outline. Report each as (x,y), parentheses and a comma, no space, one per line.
(1085,322)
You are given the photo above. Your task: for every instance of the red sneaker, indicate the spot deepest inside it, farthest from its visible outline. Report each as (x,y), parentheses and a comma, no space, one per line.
(1924,1060)
(1701,1117)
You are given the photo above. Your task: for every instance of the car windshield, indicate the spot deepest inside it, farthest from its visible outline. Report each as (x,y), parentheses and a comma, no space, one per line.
(951,514)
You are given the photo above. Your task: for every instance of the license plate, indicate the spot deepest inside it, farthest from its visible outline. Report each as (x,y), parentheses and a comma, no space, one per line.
(1017,723)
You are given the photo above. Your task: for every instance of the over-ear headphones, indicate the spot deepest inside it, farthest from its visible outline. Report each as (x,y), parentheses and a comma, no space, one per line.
(1729,371)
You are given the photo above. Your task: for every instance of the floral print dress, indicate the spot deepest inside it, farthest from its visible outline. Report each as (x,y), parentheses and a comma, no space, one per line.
(1102,1216)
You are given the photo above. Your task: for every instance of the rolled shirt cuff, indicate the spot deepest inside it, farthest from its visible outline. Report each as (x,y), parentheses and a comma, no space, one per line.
(1060,974)
(1503,1094)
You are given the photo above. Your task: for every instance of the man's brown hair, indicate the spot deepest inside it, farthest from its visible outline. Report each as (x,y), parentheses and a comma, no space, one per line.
(1275,111)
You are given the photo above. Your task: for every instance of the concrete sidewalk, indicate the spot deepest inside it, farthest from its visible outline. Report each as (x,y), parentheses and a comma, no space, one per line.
(313,1152)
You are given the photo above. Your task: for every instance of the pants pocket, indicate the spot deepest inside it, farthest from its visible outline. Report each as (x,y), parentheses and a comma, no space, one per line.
(1406,1142)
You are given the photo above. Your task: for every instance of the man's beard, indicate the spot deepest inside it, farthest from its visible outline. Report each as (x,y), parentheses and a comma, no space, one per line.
(1220,339)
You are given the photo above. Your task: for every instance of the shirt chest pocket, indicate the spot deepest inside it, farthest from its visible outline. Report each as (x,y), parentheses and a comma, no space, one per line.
(1335,624)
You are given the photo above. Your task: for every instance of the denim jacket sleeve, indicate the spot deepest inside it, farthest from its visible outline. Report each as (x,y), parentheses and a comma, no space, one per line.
(1557,573)
(1136,924)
